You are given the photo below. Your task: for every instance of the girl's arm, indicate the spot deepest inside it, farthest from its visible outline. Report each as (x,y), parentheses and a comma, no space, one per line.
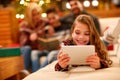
(63,61)
(59,68)
(24,27)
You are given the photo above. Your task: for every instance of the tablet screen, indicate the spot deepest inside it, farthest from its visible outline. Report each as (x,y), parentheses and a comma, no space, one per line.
(78,54)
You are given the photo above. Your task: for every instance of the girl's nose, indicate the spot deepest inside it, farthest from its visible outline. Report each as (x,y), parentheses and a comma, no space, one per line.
(80,36)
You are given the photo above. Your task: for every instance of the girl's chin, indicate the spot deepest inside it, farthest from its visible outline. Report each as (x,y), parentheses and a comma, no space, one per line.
(80,44)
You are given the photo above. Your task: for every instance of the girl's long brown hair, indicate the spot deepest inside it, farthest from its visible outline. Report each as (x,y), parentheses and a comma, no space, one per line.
(94,37)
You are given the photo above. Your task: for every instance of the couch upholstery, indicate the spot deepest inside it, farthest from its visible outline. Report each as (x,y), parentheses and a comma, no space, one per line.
(48,73)
(108,22)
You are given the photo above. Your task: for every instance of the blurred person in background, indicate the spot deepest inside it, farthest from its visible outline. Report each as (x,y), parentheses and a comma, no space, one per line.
(31,29)
(56,29)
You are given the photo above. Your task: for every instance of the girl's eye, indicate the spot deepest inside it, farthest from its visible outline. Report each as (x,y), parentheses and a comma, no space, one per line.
(77,32)
(87,34)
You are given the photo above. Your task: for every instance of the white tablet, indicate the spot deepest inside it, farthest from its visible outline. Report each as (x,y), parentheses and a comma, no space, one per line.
(78,54)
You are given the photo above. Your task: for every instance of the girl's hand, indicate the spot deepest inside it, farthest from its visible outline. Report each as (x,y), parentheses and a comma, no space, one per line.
(63,59)
(33,36)
(94,61)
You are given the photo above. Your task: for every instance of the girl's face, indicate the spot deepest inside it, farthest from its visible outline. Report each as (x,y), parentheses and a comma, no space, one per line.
(35,16)
(81,34)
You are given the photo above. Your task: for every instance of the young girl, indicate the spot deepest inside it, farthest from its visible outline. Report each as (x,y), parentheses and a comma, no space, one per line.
(83,32)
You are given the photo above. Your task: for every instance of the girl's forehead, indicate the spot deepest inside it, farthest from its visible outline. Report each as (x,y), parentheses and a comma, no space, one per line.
(81,27)
(81,24)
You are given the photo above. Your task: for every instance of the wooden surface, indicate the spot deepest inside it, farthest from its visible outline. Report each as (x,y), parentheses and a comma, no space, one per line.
(8,27)
(10,67)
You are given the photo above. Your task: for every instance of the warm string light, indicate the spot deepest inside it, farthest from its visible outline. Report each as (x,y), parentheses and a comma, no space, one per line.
(68,5)
(44,15)
(86,3)
(22,2)
(41,2)
(25,3)
(95,3)
(20,16)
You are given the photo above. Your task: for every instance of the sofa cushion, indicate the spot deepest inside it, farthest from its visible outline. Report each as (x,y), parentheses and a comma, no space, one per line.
(108,22)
